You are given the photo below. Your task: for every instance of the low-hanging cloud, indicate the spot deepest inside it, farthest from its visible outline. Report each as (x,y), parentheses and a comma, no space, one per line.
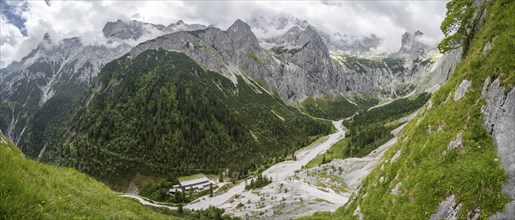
(62,19)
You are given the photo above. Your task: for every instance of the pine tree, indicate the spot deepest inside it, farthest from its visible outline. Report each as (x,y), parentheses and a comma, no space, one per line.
(221,176)
(210,190)
(180,209)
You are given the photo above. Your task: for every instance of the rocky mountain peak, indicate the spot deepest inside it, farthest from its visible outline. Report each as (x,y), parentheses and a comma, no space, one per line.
(304,23)
(406,41)
(242,35)
(180,25)
(287,39)
(410,41)
(313,55)
(284,30)
(294,29)
(272,25)
(123,30)
(46,42)
(238,26)
(46,38)
(292,34)
(311,35)
(311,30)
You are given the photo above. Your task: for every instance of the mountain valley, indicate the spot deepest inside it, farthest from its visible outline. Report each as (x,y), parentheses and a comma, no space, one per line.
(282,119)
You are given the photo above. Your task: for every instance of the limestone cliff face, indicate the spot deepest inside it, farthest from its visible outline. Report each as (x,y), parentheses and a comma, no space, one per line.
(236,51)
(304,68)
(314,56)
(499,120)
(430,79)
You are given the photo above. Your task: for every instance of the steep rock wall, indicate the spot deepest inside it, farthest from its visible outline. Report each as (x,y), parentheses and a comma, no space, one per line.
(499,120)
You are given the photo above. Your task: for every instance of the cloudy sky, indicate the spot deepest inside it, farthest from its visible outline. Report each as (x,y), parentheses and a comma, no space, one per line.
(23,23)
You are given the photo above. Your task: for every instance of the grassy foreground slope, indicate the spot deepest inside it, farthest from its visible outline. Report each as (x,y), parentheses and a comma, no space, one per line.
(30,190)
(427,170)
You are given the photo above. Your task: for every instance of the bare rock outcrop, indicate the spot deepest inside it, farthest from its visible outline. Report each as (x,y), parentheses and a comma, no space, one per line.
(462,88)
(499,120)
(448,209)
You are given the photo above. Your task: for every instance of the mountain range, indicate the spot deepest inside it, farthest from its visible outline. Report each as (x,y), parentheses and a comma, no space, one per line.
(46,96)
(153,102)
(69,67)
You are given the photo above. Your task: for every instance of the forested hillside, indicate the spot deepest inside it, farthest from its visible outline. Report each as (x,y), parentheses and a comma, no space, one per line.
(161,114)
(334,107)
(371,128)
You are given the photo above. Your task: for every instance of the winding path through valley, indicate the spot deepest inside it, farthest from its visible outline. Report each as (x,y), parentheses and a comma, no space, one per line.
(145,201)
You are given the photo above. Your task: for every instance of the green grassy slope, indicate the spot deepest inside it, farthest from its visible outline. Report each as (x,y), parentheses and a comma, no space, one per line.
(427,175)
(30,190)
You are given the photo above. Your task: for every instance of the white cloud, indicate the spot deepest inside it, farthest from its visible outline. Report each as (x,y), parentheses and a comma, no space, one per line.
(9,41)
(387,19)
